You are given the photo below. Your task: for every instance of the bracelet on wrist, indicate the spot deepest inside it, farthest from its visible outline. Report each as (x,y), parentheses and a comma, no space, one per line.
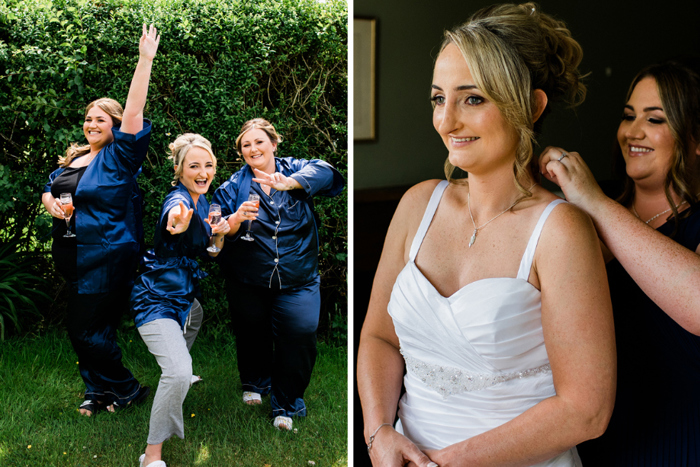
(371,437)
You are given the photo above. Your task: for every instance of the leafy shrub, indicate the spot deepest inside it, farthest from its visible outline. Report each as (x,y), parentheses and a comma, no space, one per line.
(220,63)
(20,285)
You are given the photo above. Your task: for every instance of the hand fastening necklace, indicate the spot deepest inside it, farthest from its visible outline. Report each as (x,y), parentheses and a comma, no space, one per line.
(476,229)
(659,214)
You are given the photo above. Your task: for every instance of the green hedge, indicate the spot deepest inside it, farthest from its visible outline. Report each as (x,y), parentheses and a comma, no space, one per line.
(219,63)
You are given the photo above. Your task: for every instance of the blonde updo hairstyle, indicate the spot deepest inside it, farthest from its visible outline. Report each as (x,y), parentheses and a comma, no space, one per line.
(181,146)
(511,51)
(258,123)
(111,108)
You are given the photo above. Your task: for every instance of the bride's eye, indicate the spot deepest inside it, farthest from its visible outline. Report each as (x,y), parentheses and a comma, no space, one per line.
(437,100)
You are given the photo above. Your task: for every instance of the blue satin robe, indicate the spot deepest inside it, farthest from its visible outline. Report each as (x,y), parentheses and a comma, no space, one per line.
(107,213)
(171,281)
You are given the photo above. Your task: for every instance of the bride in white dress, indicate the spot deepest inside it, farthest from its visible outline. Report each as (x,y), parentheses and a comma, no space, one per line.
(490,301)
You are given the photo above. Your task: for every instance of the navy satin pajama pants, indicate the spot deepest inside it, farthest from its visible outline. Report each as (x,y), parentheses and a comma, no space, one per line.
(276,341)
(92,323)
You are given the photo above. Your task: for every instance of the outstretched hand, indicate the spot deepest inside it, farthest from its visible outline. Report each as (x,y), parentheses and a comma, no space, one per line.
(148,45)
(179,219)
(278,181)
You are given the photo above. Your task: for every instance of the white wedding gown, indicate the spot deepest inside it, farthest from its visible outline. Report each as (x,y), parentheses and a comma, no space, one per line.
(474,360)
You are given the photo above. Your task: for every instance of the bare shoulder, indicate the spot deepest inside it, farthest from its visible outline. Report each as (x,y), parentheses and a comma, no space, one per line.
(415,201)
(420,193)
(568,233)
(568,221)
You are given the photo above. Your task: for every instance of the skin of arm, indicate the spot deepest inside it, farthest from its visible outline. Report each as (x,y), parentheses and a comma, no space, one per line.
(579,335)
(380,366)
(132,120)
(667,272)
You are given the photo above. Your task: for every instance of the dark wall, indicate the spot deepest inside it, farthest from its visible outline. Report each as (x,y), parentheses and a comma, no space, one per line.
(618,39)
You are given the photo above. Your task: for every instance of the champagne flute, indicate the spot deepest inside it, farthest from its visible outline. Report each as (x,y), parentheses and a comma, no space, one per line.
(255,199)
(67,206)
(214,218)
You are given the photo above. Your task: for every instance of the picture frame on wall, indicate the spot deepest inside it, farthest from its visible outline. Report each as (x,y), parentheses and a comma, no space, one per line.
(364,91)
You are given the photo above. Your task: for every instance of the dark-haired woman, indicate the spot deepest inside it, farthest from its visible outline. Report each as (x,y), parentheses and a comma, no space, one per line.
(272,281)
(99,263)
(652,238)
(493,307)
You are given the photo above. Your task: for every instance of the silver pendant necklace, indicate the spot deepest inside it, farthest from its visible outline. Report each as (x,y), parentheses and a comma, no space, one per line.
(659,214)
(476,229)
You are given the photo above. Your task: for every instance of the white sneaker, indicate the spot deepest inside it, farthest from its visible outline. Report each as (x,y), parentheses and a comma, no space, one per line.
(152,464)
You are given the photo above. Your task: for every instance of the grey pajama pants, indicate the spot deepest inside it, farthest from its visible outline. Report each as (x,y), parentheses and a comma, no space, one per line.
(166,341)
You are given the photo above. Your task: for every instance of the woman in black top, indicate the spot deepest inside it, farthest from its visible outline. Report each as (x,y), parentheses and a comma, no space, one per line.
(651,238)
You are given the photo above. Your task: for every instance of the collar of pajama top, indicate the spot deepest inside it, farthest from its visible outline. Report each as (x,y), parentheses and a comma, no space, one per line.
(284,253)
(108,213)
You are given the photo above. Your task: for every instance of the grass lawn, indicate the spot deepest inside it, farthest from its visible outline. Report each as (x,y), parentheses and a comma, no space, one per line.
(40,390)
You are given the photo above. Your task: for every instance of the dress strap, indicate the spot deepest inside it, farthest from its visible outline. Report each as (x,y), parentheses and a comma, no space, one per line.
(529,255)
(427,218)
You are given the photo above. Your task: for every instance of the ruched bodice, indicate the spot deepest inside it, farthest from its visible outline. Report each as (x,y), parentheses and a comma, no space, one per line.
(475,359)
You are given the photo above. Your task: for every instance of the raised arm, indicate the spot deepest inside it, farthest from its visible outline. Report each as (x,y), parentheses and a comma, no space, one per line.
(579,337)
(379,364)
(132,120)
(667,272)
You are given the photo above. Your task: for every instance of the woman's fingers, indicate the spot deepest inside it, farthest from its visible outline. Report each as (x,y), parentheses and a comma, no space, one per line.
(149,41)
(277,180)
(555,164)
(188,216)
(248,210)
(222,227)
(179,221)
(262,177)
(57,210)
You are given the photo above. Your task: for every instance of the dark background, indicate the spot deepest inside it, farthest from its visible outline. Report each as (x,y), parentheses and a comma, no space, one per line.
(618,39)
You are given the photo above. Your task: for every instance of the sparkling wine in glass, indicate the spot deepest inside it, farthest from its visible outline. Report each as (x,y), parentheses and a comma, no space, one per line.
(255,199)
(214,218)
(67,206)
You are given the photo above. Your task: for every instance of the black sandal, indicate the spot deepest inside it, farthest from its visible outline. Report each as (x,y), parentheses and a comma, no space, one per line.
(141,396)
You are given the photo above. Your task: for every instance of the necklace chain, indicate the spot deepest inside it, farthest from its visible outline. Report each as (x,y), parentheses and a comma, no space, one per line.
(659,214)
(476,229)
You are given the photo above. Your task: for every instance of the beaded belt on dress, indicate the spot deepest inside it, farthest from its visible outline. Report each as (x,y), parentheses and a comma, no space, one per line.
(447,380)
